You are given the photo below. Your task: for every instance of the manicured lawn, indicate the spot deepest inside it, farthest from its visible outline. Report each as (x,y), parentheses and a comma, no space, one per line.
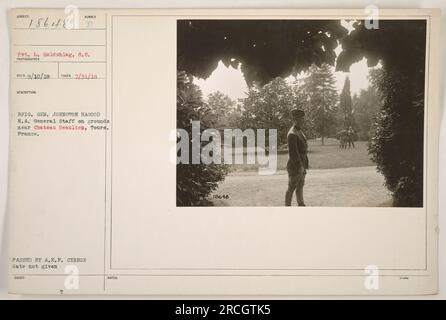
(328,156)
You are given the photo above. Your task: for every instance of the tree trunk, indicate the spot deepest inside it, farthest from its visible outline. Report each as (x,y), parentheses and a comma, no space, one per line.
(322,140)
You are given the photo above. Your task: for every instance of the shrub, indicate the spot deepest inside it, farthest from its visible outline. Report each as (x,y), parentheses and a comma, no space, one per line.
(397,142)
(194,181)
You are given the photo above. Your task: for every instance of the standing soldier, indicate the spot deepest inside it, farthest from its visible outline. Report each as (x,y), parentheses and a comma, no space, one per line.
(351,137)
(297,159)
(343,139)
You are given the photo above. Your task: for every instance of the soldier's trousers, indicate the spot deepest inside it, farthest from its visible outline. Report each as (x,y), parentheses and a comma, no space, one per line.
(296,183)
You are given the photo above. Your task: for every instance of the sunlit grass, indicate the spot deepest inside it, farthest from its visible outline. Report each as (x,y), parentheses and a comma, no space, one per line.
(328,156)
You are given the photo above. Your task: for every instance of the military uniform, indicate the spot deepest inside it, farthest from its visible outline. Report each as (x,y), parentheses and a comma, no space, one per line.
(297,164)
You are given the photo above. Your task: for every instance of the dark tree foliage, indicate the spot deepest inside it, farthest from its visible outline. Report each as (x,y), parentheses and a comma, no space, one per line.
(366,106)
(321,100)
(346,105)
(397,144)
(399,44)
(222,107)
(266,48)
(269,108)
(194,181)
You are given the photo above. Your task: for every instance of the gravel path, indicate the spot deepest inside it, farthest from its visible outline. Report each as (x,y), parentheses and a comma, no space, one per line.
(346,187)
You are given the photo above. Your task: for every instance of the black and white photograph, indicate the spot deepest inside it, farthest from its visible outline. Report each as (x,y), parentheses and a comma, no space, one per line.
(208,152)
(317,113)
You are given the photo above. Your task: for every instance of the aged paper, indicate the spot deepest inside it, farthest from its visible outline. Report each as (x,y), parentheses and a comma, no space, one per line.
(97,205)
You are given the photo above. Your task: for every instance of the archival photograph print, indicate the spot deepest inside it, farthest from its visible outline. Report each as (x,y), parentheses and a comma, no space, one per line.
(317,113)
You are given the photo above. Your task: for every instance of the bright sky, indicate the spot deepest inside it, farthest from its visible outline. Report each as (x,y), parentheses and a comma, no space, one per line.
(231,81)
